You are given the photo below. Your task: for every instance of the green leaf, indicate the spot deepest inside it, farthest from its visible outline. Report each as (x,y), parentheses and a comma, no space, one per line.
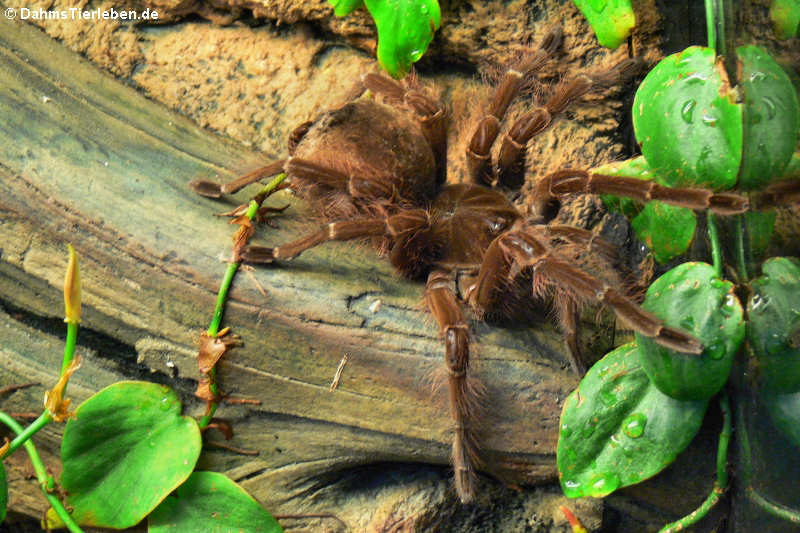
(611,20)
(785,16)
(212,503)
(345,7)
(636,168)
(405,29)
(666,229)
(773,329)
(3,492)
(125,451)
(691,297)
(784,410)
(618,429)
(771,118)
(688,121)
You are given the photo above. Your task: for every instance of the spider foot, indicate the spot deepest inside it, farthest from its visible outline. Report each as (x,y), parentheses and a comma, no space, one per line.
(206,188)
(258,254)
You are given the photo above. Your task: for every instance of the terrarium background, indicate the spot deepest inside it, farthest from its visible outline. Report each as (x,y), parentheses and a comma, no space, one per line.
(250,72)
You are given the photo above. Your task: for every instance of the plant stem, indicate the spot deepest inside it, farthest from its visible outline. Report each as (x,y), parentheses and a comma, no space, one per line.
(711,26)
(721,484)
(69,347)
(741,253)
(27,433)
(716,248)
(46,481)
(222,295)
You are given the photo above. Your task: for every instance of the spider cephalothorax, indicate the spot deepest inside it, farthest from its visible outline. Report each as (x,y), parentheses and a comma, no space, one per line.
(375,169)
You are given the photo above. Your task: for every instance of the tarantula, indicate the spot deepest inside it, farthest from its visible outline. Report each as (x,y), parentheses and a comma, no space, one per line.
(376,168)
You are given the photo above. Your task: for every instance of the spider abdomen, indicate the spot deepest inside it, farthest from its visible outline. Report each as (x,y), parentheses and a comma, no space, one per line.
(366,152)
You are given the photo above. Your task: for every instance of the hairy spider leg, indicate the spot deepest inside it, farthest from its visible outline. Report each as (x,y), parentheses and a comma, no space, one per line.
(515,250)
(212,189)
(511,158)
(516,77)
(781,193)
(569,181)
(465,395)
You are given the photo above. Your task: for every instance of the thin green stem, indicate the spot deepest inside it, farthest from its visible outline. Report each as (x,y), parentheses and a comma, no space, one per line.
(775,509)
(222,295)
(27,433)
(741,250)
(716,248)
(711,27)
(46,481)
(721,484)
(69,348)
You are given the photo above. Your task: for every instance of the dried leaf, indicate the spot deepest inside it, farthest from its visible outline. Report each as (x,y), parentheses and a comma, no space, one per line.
(54,402)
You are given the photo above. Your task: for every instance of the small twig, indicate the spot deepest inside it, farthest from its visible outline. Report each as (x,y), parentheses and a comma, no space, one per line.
(249,271)
(14,388)
(225,446)
(240,401)
(338,375)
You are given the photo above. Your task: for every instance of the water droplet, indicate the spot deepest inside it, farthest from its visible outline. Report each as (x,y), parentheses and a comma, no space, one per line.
(769,105)
(608,398)
(716,351)
(572,489)
(414,55)
(759,303)
(602,484)
(775,344)
(423,8)
(757,76)
(165,404)
(708,120)
(565,431)
(729,305)
(687,110)
(696,78)
(633,425)
(687,323)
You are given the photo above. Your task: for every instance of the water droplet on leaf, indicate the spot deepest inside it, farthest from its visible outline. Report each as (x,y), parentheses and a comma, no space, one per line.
(687,110)
(633,425)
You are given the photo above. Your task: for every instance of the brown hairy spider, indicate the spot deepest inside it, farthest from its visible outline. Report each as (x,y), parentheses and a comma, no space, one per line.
(375,168)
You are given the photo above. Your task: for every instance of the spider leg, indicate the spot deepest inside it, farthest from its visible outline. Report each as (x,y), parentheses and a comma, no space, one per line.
(516,77)
(515,250)
(216,190)
(335,231)
(430,113)
(511,159)
(580,181)
(784,192)
(446,309)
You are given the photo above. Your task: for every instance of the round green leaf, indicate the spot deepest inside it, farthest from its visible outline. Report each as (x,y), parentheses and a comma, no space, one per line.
(126,449)
(688,122)
(784,410)
(611,20)
(345,7)
(405,29)
(691,297)
(785,16)
(773,329)
(618,429)
(771,118)
(667,230)
(3,492)
(212,503)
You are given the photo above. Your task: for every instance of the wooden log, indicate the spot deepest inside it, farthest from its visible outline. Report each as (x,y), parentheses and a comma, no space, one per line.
(87,160)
